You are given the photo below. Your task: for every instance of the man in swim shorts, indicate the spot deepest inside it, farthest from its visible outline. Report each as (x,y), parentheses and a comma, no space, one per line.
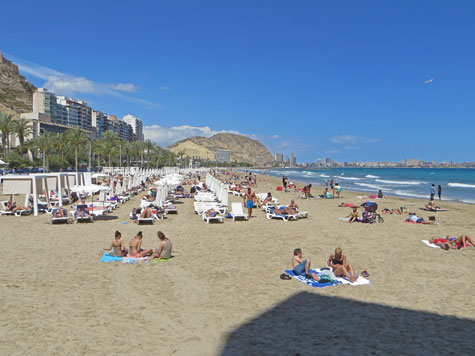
(250,198)
(302,267)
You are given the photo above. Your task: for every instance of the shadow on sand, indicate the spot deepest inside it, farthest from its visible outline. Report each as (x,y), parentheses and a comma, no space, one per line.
(312,324)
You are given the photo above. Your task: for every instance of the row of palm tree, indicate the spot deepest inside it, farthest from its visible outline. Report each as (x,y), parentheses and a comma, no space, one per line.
(107,150)
(8,126)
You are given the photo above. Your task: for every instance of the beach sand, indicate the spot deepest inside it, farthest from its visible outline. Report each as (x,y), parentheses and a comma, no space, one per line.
(221,293)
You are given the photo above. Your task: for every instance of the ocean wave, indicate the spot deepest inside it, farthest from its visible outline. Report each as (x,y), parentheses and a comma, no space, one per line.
(324,176)
(349,178)
(461,185)
(468,201)
(370,176)
(373,186)
(400,182)
(409,194)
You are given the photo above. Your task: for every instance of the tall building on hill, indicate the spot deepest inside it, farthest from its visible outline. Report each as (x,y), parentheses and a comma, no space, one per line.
(136,124)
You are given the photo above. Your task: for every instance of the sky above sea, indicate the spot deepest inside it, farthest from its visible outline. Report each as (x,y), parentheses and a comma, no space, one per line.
(340,79)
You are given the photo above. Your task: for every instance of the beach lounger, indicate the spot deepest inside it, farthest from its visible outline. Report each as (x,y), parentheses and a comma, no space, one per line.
(217,217)
(77,218)
(5,211)
(286,217)
(56,220)
(236,211)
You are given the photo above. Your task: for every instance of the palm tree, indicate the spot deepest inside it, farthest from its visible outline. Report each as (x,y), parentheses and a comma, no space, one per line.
(181,154)
(109,141)
(77,138)
(6,129)
(45,143)
(22,129)
(60,143)
(135,149)
(149,147)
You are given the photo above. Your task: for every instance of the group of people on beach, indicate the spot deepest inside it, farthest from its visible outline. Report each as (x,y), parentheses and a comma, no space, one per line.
(337,262)
(117,247)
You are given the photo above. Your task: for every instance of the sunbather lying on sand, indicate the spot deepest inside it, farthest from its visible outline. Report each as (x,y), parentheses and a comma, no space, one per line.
(346,205)
(415,219)
(392,211)
(302,267)
(453,243)
(340,267)
(117,246)
(135,247)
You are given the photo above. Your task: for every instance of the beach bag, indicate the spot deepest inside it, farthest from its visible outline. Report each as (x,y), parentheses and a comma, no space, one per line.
(279,188)
(431,218)
(327,275)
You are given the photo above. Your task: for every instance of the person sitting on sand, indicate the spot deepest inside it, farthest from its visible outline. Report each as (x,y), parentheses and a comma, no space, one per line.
(380,194)
(306,191)
(431,205)
(417,220)
(354,215)
(302,267)
(340,267)
(164,249)
(327,194)
(117,246)
(135,247)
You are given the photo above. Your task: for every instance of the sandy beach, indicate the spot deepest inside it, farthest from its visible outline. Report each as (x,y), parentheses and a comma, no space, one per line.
(221,293)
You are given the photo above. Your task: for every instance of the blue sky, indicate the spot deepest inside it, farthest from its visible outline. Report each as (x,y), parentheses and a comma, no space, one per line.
(339,79)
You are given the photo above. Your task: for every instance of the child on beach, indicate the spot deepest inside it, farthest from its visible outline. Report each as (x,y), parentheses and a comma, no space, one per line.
(354,215)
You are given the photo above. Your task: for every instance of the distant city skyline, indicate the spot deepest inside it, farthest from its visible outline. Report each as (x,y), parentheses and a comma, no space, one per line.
(365,81)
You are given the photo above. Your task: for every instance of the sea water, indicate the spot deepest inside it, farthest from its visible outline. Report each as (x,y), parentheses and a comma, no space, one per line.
(457,184)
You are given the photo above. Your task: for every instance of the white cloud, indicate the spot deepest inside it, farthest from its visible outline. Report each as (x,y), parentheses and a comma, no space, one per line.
(167,136)
(275,137)
(68,84)
(164,88)
(346,139)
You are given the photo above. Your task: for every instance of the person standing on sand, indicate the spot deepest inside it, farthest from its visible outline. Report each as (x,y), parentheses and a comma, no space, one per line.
(250,198)
(432,192)
(284,183)
(439,192)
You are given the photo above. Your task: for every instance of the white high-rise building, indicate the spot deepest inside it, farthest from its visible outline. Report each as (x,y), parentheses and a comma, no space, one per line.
(136,124)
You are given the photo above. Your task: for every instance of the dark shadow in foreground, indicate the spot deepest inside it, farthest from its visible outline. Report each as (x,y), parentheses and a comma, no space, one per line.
(105,218)
(312,324)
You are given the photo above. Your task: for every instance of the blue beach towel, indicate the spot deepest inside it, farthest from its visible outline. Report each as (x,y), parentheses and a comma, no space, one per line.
(109,258)
(310,282)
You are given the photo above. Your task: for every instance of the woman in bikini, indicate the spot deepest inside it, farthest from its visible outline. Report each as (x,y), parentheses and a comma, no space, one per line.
(453,243)
(117,246)
(135,247)
(340,267)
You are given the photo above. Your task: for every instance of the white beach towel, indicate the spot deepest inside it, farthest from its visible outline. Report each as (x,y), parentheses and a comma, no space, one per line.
(361,281)
(429,244)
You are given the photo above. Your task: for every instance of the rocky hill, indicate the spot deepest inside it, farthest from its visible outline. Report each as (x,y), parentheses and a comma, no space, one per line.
(16,93)
(242,148)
